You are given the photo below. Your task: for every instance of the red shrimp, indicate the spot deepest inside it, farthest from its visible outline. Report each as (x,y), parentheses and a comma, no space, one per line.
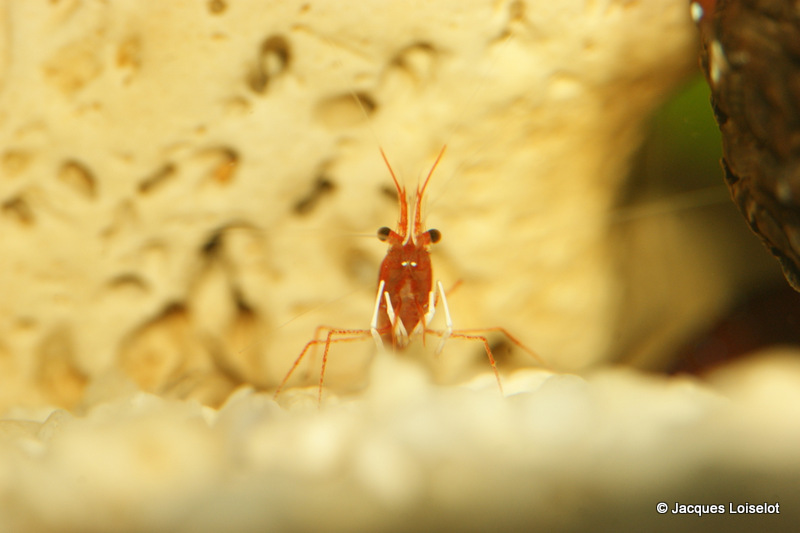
(406,299)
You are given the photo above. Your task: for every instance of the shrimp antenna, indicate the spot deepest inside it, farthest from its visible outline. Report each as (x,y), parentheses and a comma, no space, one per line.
(402,229)
(421,193)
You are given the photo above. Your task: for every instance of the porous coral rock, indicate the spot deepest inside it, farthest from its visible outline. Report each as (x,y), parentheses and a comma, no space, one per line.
(182,181)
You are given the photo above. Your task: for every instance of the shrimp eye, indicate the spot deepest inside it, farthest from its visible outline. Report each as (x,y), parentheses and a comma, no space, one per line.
(435,235)
(383,233)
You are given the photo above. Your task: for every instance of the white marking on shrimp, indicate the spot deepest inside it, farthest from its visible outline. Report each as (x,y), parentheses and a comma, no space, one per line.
(697,12)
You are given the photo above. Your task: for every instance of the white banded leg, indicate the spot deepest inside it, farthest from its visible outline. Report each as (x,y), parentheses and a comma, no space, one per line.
(448,320)
(373,325)
(431,308)
(398,328)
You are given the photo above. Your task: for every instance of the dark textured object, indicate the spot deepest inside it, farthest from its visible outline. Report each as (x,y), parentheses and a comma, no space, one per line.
(751,58)
(766,319)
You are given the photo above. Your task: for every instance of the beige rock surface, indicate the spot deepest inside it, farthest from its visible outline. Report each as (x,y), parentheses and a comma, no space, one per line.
(185,184)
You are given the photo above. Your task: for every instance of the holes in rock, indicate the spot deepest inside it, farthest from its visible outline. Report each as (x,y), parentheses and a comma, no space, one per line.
(417,61)
(217,7)
(79,178)
(237,106)
(516,11)
(322,187)
(244,310)
(218,244)
(213,244)
(129,53)
(273,59)
(157,179)
(345,110)
(128,283)
(129,57)
(389,192)
(224,164)
(14,162)
(19,210)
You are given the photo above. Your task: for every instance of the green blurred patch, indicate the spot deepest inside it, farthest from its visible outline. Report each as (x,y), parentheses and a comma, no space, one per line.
(683,148)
